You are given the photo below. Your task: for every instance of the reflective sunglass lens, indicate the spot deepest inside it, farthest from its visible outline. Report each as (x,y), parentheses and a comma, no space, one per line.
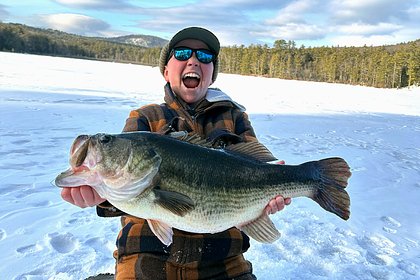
(204,56)
(182,54)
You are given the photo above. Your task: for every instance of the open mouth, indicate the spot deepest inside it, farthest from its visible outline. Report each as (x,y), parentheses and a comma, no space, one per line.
(191,80)
(80,159)
(78,151)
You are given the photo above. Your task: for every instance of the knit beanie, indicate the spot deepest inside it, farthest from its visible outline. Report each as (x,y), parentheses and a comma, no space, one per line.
(197,33)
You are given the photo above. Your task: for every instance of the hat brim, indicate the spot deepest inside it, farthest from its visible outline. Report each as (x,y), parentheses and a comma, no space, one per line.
(196,33)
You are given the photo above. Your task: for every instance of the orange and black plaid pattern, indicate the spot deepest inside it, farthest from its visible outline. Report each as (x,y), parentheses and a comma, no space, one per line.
(140,254)
(206,118)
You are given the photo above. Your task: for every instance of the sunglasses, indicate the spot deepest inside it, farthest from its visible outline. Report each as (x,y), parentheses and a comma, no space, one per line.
(185,53)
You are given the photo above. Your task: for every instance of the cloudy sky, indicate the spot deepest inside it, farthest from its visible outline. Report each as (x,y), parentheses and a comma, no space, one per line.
(307,22)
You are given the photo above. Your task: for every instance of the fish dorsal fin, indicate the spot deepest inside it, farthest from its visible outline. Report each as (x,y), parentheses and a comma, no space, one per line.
(162,231)
(177,203)
(190,138)
(254,150)
(262,230)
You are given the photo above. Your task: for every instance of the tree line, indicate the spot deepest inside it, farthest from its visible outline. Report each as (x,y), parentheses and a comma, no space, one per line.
(385,66)
(393,66)
(24,39)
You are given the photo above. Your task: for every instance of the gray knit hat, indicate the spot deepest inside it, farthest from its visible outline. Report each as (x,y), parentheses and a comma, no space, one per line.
(197,33)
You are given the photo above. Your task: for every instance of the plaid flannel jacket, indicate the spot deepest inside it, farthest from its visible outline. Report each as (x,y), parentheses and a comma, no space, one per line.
(220,120)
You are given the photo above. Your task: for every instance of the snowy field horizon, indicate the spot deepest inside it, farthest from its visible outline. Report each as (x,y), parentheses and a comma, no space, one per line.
(45,102)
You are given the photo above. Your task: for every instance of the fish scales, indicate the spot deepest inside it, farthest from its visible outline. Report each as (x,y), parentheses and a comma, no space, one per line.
(178,184)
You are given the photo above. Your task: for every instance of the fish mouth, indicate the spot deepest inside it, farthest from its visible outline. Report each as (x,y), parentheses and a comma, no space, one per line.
(191,79)
(82,163)
(77,143)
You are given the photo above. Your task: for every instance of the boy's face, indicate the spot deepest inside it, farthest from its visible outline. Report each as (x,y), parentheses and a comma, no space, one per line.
(191,78)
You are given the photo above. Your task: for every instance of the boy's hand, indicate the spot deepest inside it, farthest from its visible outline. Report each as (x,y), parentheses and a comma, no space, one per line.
(83,196)
(277,204)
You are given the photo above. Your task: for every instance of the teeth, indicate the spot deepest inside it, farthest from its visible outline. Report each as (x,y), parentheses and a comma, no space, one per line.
(191,75)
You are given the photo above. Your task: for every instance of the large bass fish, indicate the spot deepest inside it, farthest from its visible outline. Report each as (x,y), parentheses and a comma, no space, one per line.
(180,182)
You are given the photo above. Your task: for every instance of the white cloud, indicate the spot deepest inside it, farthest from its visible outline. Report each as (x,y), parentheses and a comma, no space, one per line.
(295,21)
(244,4)
(241,21)
(292,13)
(238,22)
(173,19)
(373,22)
(312,22)
(95,4)
(414,14)
(293,31)
(75,23)
(368,11)
(381,28)
(3,12)
(359,40)
(343,22)
(78,2)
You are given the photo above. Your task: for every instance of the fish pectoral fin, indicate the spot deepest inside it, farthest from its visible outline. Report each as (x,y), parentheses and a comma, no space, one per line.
(162,231)
(177,203)
(262,230)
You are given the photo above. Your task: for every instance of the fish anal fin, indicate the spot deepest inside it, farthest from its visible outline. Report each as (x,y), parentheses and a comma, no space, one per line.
(162,231)
(177,203)
(262,229)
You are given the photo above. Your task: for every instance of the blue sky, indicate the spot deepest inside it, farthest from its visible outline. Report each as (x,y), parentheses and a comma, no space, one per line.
(307,22)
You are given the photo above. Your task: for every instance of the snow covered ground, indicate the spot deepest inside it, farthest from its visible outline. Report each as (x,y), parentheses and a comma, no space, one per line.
(45,102)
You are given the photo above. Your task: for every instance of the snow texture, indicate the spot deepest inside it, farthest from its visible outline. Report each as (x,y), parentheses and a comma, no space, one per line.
(45,102)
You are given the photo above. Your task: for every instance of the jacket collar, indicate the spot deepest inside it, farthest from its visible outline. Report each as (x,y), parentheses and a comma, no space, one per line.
(214,96)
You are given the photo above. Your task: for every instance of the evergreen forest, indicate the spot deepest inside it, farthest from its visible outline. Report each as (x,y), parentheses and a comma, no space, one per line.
(391,66)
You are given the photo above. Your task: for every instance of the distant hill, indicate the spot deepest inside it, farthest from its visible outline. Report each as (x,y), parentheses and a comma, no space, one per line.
(140,40)
(143,49)
(146,41)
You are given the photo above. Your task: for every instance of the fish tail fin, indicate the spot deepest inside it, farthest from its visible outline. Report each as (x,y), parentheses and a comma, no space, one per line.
(333,173)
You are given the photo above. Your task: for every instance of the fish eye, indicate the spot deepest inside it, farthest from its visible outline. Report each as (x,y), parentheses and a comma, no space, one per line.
(104,138)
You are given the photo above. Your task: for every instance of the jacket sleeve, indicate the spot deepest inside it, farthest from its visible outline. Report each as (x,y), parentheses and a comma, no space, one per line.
(242,132)
(243,128)
(136,122)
